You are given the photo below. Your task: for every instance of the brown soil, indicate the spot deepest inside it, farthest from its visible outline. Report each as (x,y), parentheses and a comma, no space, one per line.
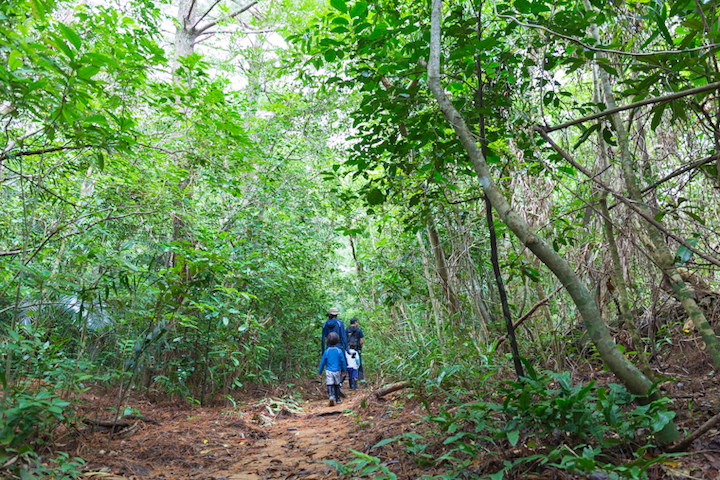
(260,439)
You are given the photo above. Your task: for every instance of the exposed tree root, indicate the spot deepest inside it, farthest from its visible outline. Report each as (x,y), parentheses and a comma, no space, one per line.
(685,443)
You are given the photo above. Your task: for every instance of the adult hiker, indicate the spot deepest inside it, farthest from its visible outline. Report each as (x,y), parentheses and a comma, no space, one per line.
(356,340)
(334,324)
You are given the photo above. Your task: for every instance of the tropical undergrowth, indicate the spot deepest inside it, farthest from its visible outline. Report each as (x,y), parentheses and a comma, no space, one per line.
(542,421)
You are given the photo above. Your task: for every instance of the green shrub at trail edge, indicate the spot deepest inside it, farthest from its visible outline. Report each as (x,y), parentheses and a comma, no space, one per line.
(572,427)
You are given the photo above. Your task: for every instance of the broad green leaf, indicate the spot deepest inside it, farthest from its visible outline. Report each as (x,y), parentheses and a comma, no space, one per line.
(70,34)
(88,72)
(60,43)
(375,197)
(585,135)
(359,10)
(384,442)
(657,116)
(339,5)
(14,60)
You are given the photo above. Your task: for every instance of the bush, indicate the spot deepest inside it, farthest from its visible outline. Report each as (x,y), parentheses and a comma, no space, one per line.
(571,427)
(30,410)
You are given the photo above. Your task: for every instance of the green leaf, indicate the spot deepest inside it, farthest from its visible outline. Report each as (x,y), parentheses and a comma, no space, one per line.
(330,55)
(38,8)
(384,442)
(662,419)
(585,135)
(70,34)
(359,10)
(375,197)
(657,116)
(513,436)
(60,43)
(14,60)
(339,5)
(683,253)
(607,136)
(88,72)
(455,438)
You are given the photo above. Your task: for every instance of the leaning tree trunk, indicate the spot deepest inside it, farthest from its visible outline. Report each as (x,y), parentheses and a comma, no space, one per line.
(659,250)
(633,379)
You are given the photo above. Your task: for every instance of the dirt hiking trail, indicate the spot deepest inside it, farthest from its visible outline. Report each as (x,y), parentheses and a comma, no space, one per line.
(265,439)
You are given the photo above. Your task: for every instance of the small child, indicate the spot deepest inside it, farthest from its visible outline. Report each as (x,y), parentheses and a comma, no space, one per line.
(353,364)
(333,360)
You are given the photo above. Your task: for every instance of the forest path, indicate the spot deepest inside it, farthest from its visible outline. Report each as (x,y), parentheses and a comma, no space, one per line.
(256,439)
(298,446)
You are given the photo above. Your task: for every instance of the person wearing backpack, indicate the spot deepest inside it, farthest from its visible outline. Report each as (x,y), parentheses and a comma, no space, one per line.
(356,340)
(335,325)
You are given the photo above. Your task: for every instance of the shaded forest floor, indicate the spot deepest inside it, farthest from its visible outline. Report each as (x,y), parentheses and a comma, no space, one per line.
(260,437)
(290,432)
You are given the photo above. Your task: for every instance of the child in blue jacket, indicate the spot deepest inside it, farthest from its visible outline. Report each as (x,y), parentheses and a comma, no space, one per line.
(333,361)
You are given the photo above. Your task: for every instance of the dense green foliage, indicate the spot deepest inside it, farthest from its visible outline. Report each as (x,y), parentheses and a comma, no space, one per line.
(178,219)
(579,426)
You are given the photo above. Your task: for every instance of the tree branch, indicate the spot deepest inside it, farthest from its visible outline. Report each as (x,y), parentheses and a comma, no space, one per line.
(683,444)
(532,310)
(605,50)
(14,143)
(189,12)
(232,15)
(205,14)
(26,153)
(647,101)
(681,170)
(45,189)
(624,199)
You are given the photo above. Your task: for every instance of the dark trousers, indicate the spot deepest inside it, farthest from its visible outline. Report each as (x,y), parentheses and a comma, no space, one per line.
(361,375)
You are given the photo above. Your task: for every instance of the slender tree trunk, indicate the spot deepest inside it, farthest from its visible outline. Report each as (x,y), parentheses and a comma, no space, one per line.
(658,248)
(491,222)
(441,266)
(431,294)
(621,287)
(617,271)
(559,361)
(633,379)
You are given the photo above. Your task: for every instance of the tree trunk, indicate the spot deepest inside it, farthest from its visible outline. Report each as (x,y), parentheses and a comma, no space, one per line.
(441,266)
(658,248)
(633,379)
(624,299)
(431,294)
(617,272)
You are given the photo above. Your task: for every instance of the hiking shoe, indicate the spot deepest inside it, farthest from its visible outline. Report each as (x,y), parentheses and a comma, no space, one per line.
(331,403)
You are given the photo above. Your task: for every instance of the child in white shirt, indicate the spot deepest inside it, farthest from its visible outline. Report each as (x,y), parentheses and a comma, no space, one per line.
(353,364)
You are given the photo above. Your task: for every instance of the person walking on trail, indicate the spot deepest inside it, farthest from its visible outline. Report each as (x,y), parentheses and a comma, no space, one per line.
(333,361)
(356,340)
(353,362)
(335,325)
